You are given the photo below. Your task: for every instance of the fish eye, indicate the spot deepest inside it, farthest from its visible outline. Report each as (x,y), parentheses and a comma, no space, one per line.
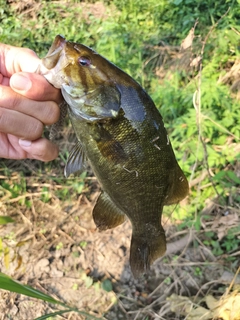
(84,61)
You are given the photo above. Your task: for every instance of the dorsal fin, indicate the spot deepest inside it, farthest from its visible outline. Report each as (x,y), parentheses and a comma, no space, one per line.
(178,189)
(106,214)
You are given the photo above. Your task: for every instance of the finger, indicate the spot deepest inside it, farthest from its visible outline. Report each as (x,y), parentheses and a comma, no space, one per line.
(41,149)
(9,147)
(19,124)
(34,86)
(17,59)
(45,111)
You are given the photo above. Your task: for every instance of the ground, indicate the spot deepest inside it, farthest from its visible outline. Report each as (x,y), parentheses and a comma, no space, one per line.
(55,247)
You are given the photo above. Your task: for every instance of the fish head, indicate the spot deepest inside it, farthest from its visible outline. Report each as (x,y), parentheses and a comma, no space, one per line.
(84,77)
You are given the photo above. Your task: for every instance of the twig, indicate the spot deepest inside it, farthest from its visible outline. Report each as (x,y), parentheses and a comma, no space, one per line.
(233,281)
(205,285)
(27,195)
(236,31)
(180,244)
(197,106)
(221,127)
(198,179)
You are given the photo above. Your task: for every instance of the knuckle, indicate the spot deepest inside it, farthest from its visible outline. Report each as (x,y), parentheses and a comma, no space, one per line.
(52,112)
(3,119)
(9,98)
(23,126)
(35,130)
(30,52)
(15,101)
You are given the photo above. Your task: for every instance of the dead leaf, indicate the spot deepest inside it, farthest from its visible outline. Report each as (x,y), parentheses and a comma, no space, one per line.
(187,42)
(184,306)
(6,257)
(227,308)
(196,62)
(222,224)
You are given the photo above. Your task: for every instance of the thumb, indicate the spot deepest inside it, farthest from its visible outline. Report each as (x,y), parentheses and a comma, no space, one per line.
(40,149)
(34,86)
(21,82)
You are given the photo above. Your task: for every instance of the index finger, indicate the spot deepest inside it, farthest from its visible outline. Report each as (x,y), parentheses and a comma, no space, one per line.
(14,59)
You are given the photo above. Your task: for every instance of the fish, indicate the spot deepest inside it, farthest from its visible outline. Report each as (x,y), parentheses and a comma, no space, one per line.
(121,135)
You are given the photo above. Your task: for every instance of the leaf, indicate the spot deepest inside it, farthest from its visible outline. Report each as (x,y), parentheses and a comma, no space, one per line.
(9,284)
(53,314)
(1,246)
(184,306)
(219,176)
(107,285)
(226,308)
(233,177)
(6,258)
(5,219)
(88,281)
(187,42)
(177,2)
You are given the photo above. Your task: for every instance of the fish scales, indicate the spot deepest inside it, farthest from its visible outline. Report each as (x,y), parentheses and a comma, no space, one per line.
(121,134)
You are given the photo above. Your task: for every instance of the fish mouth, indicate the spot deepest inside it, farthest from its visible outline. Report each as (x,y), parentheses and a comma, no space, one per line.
(52,57)
(59,42)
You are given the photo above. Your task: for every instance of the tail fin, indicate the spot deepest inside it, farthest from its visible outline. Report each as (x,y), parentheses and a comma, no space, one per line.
(145,249)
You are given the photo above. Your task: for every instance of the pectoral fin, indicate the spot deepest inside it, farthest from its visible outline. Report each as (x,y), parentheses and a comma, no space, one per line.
(76,161)
(106,214)
(109,147)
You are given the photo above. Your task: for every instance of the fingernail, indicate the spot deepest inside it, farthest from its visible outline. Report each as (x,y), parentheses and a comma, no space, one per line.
(24,143)
(20,82)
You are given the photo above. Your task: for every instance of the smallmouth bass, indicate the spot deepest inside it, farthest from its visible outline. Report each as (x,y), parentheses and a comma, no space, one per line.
(121,134)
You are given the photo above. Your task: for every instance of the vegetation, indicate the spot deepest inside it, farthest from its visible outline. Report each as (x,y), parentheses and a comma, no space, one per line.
(191,74)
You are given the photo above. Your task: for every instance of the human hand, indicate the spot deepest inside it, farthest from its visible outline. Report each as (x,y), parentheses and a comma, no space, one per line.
(27,103)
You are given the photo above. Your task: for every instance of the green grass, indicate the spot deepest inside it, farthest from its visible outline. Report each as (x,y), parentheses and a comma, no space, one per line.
(9,284)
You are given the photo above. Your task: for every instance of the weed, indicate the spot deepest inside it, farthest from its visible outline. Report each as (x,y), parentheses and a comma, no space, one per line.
(83,244)
(59,246)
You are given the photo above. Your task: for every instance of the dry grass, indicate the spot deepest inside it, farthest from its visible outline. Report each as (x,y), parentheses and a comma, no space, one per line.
(56,248)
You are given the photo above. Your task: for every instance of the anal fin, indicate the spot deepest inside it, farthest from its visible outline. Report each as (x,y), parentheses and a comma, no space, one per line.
(106,214)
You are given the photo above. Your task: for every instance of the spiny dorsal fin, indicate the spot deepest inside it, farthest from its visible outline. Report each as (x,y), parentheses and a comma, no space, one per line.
(76,161)
(106,214)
